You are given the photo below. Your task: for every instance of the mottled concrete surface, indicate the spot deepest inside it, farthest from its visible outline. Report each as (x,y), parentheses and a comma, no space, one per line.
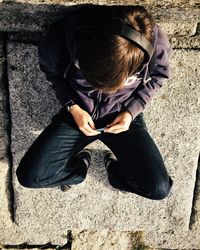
(168,117)
(28,17)
(3,113)
(154,3)
(5,218)
(177,102)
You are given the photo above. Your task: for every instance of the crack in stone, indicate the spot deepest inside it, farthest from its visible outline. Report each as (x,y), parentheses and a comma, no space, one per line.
(196,195)
(9,186)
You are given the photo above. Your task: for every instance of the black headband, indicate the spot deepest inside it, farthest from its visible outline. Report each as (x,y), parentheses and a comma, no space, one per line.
(124,30)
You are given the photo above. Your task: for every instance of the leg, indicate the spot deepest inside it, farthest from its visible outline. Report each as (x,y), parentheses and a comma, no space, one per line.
(47,162)
(139,167)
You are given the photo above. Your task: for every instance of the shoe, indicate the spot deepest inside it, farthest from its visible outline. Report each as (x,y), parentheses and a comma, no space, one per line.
(108,157)
(65,188)
(85,155)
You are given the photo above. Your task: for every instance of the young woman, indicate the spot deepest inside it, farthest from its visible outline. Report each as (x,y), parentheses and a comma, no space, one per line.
(103,80)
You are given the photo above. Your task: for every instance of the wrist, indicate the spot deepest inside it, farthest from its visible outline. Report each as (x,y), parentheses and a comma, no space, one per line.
(68,105)
(73,107)
(129,113)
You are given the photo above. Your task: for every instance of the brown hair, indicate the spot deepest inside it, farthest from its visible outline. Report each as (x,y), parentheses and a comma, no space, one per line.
(107,60)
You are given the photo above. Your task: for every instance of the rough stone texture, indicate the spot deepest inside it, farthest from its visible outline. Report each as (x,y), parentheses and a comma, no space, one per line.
(30,17)
(108,239)
(5,215)
(3,100)
(103,240)
(188,42)
(32,248)
(32,104)
(51,211)
(27,17)
(184,28)
(26,37)
(173,240)
(3,131)
(191,42)
(155,3)
(5,219)
(184,111)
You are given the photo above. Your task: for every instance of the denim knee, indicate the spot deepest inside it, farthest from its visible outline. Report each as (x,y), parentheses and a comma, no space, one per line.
(161,189)
(24,178)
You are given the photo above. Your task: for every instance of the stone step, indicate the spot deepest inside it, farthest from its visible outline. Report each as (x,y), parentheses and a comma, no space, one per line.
(151,3)
(177,21)
(3,102)
(94,204)
(6,224)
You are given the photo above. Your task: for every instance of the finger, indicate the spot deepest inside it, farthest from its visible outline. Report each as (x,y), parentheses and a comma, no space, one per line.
(89,131)
(116,131)
(86,132)
(94,131)
(91,123)
(116,126)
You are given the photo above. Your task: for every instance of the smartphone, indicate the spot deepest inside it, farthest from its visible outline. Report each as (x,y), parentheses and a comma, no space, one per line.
(100,129)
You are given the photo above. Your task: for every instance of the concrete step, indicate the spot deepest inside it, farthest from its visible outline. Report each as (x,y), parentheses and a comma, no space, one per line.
(94,204)
(178,20)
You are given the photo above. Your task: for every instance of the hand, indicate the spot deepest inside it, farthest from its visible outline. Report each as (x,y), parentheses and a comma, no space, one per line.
(121,123)
(83,120)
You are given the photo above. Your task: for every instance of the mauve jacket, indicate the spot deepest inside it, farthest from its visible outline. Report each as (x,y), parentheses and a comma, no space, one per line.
(57,59)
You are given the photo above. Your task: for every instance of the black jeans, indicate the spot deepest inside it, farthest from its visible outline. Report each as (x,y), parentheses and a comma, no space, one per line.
(139,167)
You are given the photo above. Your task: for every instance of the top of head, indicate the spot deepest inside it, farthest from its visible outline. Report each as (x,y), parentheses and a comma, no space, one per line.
(116,27)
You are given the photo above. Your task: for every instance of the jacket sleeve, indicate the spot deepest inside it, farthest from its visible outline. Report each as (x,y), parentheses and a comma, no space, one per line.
(54,58)
(144,93)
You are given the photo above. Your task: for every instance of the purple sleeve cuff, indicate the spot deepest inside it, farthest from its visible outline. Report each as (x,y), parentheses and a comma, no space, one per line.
(135,108)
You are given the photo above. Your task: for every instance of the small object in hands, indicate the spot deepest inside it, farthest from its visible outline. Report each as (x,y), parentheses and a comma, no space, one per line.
(100,129)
